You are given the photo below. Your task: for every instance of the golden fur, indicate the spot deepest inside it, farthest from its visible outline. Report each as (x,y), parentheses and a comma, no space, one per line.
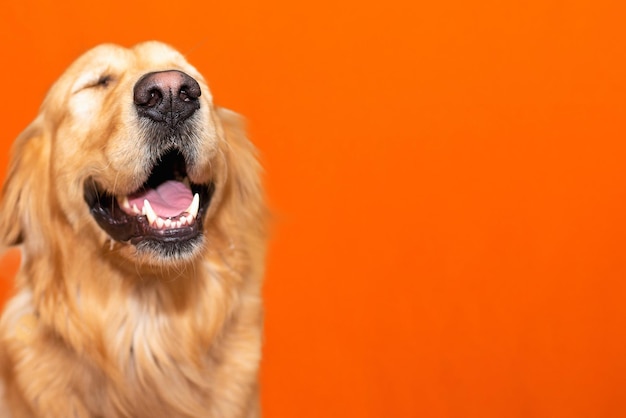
(103,328)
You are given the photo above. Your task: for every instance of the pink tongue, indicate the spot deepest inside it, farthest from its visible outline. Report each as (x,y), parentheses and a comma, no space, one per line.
(168,199)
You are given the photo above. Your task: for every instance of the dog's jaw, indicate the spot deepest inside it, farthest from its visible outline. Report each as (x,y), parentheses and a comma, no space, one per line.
(159,229)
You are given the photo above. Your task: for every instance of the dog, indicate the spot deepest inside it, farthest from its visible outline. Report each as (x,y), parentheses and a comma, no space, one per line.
(141,217)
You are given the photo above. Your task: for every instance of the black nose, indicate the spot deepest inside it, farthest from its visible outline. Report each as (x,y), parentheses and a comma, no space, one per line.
(169,97)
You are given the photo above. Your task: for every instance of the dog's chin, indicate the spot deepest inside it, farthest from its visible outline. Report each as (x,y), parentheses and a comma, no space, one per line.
(163,219)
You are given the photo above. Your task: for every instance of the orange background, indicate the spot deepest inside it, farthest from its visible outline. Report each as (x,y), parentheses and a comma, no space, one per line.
(448,179)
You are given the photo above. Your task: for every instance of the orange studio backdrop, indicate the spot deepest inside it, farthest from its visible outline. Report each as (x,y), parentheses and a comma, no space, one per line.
(448,182)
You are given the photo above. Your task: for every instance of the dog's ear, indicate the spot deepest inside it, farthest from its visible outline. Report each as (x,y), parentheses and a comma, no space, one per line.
(244,170)
(25,179)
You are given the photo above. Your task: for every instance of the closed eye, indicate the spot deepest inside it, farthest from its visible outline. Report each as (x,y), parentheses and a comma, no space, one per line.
(91,81)
(103,81)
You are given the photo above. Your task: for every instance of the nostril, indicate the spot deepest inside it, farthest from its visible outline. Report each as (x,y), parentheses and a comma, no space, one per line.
(190,91)
(154,98)
(184,96)
(147,93)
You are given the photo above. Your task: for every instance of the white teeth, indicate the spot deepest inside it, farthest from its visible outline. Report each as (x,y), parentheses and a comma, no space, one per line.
(124,202)
(157,222)
(193,208)
(149,212)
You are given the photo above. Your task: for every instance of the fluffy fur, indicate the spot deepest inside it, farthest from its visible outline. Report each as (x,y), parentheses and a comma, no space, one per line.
(102,328)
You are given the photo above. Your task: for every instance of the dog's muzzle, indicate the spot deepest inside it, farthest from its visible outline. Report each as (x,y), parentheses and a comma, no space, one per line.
(166,213)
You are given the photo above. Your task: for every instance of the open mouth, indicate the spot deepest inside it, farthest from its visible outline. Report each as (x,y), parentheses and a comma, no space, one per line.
(167,209)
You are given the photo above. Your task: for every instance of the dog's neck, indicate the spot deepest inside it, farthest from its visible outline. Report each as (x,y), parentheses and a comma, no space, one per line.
(130,301)
(137,329)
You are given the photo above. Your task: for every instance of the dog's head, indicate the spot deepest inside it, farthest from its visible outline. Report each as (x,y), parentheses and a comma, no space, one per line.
(128,152)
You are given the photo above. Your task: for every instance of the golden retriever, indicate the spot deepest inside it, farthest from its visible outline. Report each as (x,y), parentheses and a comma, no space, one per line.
(141,219)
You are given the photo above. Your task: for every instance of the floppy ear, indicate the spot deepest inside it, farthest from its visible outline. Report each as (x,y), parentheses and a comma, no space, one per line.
(26,176)
(246,193)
